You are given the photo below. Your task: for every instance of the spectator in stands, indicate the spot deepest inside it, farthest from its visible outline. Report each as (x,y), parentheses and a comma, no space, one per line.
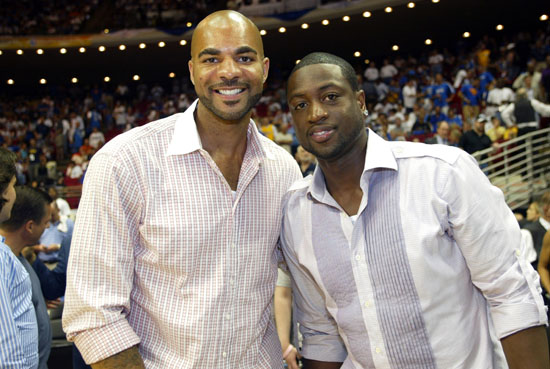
(196,195)
(19,333)
(61,203)
(30,216)
(497,131)
(409,95)
(523,113)
(396,238)
(470,94)
(442,135)
(435,117)
(97,139)
(388,71)
(454,119)
(476,139)
(441,93)
(305,160)
(539,227)
(371,73)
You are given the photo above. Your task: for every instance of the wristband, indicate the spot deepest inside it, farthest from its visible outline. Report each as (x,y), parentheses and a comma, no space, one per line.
(288,351)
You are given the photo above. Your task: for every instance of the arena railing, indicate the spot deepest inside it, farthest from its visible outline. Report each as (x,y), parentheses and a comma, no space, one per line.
(519,167)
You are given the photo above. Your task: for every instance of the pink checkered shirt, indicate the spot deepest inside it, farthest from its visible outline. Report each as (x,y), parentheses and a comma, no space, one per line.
(164,255)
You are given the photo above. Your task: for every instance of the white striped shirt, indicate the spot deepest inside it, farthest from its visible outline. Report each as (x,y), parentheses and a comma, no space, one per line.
(19,331)
(411,283)
(164,255)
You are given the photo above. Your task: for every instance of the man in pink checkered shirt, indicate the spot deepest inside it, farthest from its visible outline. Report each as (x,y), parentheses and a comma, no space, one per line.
(173,260)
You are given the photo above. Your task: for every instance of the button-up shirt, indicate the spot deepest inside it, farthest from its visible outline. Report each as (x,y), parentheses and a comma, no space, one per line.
(19,331)
(164,255)
(430,275)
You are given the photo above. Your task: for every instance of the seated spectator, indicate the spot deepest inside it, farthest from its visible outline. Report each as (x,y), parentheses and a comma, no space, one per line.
(397,131)
(59,232)
(454,119)
(497,131)
(305,160)
(97,139)
(476,139)
(442,135)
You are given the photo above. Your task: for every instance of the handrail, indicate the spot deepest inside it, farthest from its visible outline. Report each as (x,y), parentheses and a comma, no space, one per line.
(519,167)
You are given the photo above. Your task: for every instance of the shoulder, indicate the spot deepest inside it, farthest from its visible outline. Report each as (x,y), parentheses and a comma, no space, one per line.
(403,151)
(276,152)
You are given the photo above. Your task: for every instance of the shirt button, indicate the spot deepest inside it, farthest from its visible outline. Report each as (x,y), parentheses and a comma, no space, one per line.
(233,245)
(227,316)
(378,350)
(357,257)
(367,304)
(231,282)
(224,354)
(518,253)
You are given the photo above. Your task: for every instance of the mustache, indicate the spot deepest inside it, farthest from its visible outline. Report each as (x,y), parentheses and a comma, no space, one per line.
(232,83)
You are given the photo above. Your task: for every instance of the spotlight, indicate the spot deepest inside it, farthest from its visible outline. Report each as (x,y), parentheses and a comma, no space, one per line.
(19,52)
(122,47)
(500,27)
(435,1)
(367,61)
(395,47)
(367,14)
(428,41)
(325,22)
(63,51)
(107,79)
(136,77)
(263,32)
(305,26)
(39,51)
(142,46)
(43,81)
(74,80)
(82,50)
(183,42)
(282,29)
(10,81)
(297,61)
(189,24)
(162,44)
(357,54)
(466,34)
(544,17)
(0,52)
(101,49)
(388,9)
(106,30)
(172,75)
(345,18)
(411,5)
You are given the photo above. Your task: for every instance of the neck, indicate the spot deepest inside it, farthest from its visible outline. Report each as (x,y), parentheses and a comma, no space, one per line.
(14,241)
(344,173)
(220,136)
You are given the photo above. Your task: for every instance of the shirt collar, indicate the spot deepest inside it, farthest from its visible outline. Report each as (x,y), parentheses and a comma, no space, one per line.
(186,137)
(543,222)
(379,155)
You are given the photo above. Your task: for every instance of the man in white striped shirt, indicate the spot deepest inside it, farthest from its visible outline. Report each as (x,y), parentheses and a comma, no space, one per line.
(402,255)
(173,260)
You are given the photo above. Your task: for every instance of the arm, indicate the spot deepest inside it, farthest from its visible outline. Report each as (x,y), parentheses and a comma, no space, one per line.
(283,321)
(127,359)
(544,262)
(488,236)
(527,349)
(542,109)
(508,115)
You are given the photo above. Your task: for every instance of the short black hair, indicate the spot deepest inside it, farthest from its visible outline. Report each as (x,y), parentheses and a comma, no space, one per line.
(7,171)
(326,58)
(30,204)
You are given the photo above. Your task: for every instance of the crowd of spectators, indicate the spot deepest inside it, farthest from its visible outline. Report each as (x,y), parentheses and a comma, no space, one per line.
(55,135)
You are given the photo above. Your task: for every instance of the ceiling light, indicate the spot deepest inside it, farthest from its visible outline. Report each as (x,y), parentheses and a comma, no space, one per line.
(43,81)
(345,18)
(101,49)
(544,17)
(395,47)
(305,26)
(172,75)
(74,80)
(10,81)
(82,49)
(122,47)
(428,41)
(282,29)
(500,27)
(0,52)
(411,5)
(107,79)
(39,51)
(63,51)
(183,42)
(388,9)
(142,46)
(435,1)
(357,54)
(19,52)
(297,61)
(367,14)
(367,61)
(466,34)
(189,24)
(106,30)
(325,22)
(136,77)
(162,44)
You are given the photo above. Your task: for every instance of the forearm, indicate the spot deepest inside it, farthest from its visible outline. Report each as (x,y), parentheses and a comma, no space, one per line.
(544,277)
(127,359)
(527,349)
(283,313)
(313,364)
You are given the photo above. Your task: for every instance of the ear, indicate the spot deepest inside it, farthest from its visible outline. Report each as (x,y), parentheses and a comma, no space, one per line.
(29,226)
(190,65)
(360,96)
(265,68)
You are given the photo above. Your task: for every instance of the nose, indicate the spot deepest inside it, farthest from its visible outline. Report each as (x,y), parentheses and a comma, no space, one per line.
(317,113)
(229,69)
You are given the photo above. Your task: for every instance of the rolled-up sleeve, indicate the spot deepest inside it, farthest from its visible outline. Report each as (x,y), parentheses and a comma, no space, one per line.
(489,237)
(321,339)
(101,262)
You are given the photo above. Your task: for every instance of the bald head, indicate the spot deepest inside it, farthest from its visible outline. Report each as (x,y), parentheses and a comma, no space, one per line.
(225,22)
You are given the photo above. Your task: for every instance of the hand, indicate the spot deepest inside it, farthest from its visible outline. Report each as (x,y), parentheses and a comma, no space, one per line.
(53,304)
(53,247)
(40,248)
(292,359)
(28,253)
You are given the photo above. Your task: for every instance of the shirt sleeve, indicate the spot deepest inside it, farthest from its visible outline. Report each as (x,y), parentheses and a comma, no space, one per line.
(490,240)
(542,109)
(507,114)
(12,353)
(101,262)
(321,340)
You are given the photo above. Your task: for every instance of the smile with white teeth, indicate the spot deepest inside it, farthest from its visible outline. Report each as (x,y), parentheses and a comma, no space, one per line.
(234,91)
(320,133)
